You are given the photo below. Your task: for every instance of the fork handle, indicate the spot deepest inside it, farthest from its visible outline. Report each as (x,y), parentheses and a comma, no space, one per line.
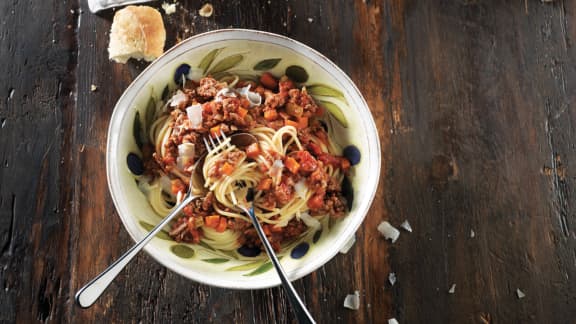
(302,313)
(88,294)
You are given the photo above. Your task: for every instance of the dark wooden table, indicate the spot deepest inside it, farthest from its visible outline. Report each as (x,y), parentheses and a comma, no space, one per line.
(475,104)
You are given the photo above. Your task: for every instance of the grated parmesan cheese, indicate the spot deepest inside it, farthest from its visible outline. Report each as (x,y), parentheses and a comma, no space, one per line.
(388,231)
(352,301)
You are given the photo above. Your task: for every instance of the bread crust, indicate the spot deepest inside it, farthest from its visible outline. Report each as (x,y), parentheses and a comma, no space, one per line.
(137,32)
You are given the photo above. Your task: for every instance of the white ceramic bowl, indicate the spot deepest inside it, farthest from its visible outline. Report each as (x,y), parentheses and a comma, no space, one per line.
(247,53)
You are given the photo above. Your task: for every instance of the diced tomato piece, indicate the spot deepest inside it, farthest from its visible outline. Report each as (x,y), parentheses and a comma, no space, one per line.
(242,112)
(188,211)
(195,235)
(270,115)
(302,122)
(289,122)
(320,111)
(227,168)
(316,201)
(292,165)
(222,225)
(253,151)
(244,102)
(307,162)
(266,229)
(268,81)
(215,131)
(265,184)
(178,186)
(212,221)
(316,150)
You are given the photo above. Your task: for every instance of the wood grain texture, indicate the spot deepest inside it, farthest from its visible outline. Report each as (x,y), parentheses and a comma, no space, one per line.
(475,110)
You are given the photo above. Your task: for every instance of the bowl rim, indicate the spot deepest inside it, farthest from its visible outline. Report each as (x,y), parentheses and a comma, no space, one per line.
(124,105)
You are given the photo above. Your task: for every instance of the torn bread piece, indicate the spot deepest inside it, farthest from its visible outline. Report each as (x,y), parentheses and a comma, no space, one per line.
(137,32)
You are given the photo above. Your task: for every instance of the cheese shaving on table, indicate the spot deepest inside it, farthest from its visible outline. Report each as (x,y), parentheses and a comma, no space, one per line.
(452,289)
(388,231)
(405,225)
(520,294)
(352,301)
(169,8)
(393,321)
(392,278)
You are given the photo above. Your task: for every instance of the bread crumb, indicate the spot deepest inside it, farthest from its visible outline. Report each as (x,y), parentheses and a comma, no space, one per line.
(169,8)
(93,87)
(206,11)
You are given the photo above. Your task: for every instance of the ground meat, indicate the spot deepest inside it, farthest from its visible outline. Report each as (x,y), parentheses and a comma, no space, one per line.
(291,231)
(208,87)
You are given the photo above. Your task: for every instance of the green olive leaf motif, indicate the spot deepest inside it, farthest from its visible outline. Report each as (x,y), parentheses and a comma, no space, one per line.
(150,114)
(206,245)
(216,260)
(297,73)
(182,251)
(137,130)
(261,269)
(247,266)
(226,63)
(165,93)
(335,111)
(325,91)
(208,59)
(161,235)
(267,64)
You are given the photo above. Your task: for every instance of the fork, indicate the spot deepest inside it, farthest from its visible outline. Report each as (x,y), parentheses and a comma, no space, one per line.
(88,294)
(302,314)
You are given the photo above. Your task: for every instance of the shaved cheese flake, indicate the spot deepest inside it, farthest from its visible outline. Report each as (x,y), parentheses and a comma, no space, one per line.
(195,115)
(348,245)
(178,98)
(472,234)
(388,231)
(393,321)
(185,155)
(406,226)
(392,278)
(224,93)
(452,289)
(520,294)
(352,301)
(310,221)
(301,188)
(254,98)
(276,171)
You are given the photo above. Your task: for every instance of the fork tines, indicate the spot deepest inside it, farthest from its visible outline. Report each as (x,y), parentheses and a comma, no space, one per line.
(214,141)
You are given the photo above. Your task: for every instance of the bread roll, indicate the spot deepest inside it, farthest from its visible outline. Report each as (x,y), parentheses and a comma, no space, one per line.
(137,32)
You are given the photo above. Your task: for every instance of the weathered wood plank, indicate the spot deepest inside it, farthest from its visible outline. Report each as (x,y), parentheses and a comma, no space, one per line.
(484,84)
(36,87)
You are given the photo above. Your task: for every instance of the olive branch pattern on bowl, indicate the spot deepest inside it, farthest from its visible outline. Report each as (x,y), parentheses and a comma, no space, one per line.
(251,261)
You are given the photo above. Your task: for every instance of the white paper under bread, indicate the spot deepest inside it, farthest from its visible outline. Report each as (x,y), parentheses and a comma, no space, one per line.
(98,5)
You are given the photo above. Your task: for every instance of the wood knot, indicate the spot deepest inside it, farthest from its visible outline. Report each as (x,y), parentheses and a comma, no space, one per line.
(443,169)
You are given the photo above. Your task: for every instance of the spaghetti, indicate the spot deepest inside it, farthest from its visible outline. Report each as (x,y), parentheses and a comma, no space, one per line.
(293,168)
